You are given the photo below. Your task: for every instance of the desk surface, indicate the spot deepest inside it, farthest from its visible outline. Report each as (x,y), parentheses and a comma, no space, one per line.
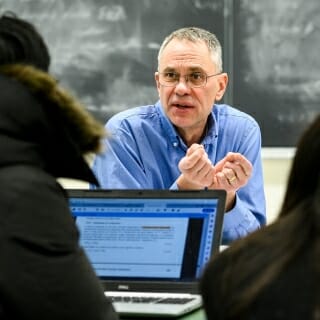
(196,315)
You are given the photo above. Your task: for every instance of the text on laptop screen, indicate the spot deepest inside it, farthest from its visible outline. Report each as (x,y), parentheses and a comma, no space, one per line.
(146,238)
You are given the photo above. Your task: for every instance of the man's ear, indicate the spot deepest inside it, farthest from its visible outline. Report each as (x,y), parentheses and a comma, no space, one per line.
(222,80)
(156,77)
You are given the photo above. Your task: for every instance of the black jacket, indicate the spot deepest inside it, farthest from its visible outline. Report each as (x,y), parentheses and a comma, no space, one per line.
(44,132)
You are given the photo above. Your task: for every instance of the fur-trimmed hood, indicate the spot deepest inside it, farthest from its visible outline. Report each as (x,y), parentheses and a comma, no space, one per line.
(41,123)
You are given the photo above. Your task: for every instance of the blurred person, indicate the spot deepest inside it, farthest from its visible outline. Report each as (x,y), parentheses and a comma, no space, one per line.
(44,134)
(274,273)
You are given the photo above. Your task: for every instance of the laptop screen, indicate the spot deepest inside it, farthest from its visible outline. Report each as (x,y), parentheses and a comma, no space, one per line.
(148,234)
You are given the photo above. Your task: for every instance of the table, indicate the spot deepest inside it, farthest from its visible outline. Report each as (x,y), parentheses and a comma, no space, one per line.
(196,315)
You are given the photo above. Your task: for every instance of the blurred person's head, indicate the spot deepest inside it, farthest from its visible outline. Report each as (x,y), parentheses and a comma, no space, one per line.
(41,124)
(277,247)
(21,43)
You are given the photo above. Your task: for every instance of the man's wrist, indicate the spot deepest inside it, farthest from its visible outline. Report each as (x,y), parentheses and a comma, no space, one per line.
(184,184)
(231,200)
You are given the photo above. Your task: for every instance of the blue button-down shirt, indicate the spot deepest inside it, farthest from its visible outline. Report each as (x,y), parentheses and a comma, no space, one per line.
(144,150)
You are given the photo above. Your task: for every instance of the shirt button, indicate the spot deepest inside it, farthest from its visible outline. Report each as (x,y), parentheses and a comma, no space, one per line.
(175,144)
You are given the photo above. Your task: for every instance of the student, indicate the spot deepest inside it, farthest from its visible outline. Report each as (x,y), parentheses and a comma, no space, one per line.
(185,140)
(274,273)
(44,133)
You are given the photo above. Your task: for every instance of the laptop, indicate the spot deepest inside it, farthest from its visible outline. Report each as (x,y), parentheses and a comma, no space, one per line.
(149,247)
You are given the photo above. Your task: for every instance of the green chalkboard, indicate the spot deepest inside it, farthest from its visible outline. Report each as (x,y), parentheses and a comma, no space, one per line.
(106,52)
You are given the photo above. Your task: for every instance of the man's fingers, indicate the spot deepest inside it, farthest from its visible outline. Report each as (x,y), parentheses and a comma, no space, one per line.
(193,157)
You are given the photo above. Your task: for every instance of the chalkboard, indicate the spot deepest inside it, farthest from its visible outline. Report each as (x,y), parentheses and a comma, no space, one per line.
(105,51)
(277,66)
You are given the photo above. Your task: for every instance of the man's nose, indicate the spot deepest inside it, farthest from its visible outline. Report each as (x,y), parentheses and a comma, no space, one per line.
(182,86)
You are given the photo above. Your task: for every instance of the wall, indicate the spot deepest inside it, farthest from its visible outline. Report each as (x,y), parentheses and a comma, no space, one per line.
(275,175)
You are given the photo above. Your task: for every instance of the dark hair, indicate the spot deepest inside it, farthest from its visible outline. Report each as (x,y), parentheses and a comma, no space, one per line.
(21,43)
(299,215)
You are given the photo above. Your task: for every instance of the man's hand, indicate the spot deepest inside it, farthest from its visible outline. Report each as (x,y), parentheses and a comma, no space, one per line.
(197,170)
(231,173)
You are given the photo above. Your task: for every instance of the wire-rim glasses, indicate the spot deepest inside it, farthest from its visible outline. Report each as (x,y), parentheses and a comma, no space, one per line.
(194,79)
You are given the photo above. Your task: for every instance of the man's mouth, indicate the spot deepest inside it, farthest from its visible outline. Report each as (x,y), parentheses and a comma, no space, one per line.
(181,106)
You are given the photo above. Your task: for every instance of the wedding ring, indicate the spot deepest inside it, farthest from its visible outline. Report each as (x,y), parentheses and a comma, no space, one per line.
(232,179)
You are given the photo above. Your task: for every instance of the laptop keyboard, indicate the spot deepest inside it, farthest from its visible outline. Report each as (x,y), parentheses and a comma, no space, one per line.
(158,300)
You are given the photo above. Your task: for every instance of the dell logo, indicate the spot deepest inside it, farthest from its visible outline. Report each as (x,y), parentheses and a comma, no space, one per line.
(123,287)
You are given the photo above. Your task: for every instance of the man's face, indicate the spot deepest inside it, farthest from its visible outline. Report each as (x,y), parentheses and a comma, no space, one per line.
(186,107)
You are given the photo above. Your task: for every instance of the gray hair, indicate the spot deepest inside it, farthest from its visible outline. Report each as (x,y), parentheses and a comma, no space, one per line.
(196,34)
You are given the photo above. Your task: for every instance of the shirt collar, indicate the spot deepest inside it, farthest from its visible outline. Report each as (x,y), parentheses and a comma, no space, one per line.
(173,135)
(212,129)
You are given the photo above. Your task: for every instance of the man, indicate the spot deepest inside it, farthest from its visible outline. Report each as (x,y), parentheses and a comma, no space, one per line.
(185,140)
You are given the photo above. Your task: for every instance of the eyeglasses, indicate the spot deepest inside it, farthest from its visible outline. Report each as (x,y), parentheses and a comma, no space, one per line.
(194,79)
